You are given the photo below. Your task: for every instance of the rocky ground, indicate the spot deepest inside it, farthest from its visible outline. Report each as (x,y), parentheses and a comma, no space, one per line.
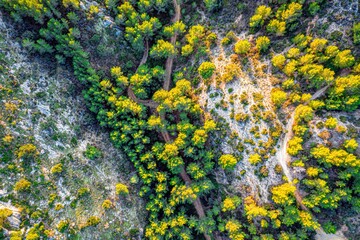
(51,114)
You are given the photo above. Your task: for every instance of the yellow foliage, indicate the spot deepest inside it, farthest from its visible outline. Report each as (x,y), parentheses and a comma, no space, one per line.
(252,210)
(227,161)
(290,68)
(242,46)
(331,123)
(278,61)
(307,221)
(121,189)
(293,53)
(294,146)
(72,3)
(283,194)
(22,185)
(255,159)
(312,171)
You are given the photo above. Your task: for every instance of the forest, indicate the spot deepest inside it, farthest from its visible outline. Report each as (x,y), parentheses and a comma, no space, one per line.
(179,119)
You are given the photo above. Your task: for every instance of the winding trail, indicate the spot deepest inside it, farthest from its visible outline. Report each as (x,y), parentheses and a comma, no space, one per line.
(170,60)
(149,103)
(284,158)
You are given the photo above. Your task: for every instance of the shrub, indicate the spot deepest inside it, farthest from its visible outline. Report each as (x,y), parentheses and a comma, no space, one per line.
(106,204)
(93,221)
(206,69)
(294,146)
(344,59)
(83,191)
(278,61)
(186,50)
(261,14)
(22,185)
(331,123)
(27,151)
(283,194)
(62,225)
(242,46)
(227,162)
(225,41)
(121,189)
(230,203)
(312,171)
(278,97)
(58,168)
(276,27)
(351,145)
(254,159)
(92,152)
(4,214)
(15,235)
(262,43)
(162,49)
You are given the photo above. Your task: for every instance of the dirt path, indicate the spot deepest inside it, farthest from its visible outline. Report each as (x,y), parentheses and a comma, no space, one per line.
(170,60)
(149,103)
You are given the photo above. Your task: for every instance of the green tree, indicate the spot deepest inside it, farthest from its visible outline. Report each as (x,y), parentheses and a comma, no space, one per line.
(276,27)
(211,4)
(283,194)
(206,69)
(162,49)
(344,59)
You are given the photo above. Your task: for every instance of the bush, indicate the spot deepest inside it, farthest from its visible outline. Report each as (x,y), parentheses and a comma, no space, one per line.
(230,203)
(27,151)
(227,162)
(62,225)
(278,97)
(4,214)
(92,152)
(242,46)
(93,221)
(106,204)
(22,185)
(83,191)
(254,159)
(351,145)
(331,123)
(262,43)
(121,189)
(58,168)
(206,69)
